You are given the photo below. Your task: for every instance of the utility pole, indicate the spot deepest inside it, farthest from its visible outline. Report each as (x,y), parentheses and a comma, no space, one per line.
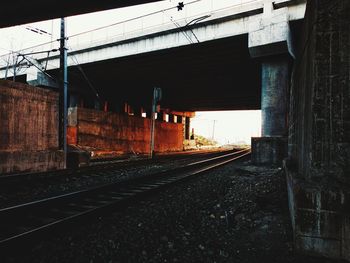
(7,67)
(63,92)
(14,67)
(212,137)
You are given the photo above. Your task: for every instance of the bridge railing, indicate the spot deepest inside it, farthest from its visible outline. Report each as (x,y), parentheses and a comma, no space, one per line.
(158,22)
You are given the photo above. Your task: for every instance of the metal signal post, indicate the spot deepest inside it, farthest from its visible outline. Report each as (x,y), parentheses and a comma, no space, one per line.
(63,92)
(157,96)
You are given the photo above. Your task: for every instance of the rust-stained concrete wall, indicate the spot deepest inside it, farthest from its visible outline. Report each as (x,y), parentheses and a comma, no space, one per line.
(318,168)
(28,129)
(121,133)
(319,133)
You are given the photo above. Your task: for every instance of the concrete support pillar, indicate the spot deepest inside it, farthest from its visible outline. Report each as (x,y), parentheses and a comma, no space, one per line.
(161,116)
(274,88)
(179,119)
(187,128)
(148,114)
(171,118)
(105,106)
(127,109)
(271,148)
(138,111)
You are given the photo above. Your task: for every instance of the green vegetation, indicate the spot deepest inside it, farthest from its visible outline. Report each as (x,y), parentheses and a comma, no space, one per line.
(202,141)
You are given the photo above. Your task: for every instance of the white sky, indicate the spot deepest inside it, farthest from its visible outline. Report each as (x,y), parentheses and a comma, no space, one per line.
(229,126)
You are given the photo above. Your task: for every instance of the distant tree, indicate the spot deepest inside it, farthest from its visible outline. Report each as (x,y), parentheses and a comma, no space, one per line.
(202,141)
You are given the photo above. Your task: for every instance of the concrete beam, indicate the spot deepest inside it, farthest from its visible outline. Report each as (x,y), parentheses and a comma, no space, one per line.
(42,80)
(189,114)
(270,34)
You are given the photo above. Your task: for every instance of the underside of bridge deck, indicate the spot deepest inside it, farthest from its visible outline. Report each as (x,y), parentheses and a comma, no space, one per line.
(214,75)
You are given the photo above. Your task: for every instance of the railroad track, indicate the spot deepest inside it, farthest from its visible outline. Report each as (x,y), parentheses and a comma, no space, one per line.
(97,169)
(29,221)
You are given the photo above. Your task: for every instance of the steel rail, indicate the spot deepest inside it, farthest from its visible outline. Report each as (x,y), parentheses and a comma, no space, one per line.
(7,181)
(29,221)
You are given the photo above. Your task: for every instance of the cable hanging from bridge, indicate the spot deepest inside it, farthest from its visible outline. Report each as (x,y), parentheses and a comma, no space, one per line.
(75,60)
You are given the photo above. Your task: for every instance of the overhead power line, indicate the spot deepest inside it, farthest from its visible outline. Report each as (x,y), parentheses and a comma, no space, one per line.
(80,68)
(38,31)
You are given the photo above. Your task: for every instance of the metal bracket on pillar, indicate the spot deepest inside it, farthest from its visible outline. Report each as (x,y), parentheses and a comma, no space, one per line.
(63,92)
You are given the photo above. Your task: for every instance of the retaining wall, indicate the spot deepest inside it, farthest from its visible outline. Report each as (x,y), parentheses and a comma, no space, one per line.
(121,133)
(28,129)
(318,165)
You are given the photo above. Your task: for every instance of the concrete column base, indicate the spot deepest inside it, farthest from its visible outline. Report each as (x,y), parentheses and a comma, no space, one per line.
(269,150)
(320,216)
(77,158)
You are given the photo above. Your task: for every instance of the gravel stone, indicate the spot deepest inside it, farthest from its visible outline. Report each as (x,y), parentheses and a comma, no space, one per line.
(235,213)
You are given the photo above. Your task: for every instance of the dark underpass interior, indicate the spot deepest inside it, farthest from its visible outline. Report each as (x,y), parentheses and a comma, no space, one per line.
(205,76)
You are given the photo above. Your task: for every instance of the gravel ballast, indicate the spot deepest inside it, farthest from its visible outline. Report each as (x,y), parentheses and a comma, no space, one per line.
(235,213)
(32,189)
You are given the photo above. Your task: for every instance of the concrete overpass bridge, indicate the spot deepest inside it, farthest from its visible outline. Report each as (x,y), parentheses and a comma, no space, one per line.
(214,48)
(263,21)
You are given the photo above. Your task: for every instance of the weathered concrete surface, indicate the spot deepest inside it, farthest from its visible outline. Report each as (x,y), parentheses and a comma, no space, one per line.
(269,150)
(320,217)
(30,161)
(318,167)
(274,87)
(270,34)
(270,38)
(28,129)
(123,133)
(319,130)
